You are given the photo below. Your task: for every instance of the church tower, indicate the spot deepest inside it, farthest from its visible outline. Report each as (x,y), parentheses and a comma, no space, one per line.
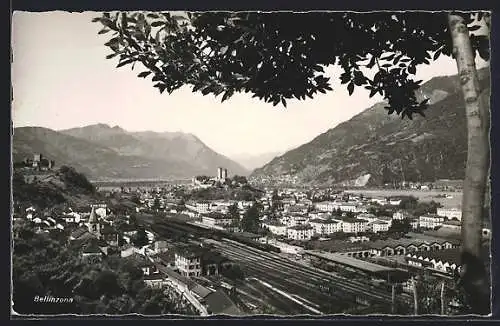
(94,225)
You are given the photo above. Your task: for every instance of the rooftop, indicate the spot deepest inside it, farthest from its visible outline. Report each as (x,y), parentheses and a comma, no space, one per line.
(301,227)
(349,261)
(321,221)
(219,303)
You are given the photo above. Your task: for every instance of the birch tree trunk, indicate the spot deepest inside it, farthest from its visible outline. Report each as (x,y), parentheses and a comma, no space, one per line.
(443,304)
(476,172)
(415,296)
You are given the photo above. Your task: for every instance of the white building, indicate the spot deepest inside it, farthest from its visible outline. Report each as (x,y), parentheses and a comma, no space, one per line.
(325,226)
(300,232)
(378,226)
(367,217)
(395,202)
(216,219)
(430,221)
(276,228)
(188,262)
(348,207)
(354,225)
(325,206)
(450,213)
(201,207)
(294,220)
(318,214)
(400,215)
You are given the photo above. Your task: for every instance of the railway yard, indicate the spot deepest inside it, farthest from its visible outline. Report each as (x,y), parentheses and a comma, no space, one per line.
(278,284)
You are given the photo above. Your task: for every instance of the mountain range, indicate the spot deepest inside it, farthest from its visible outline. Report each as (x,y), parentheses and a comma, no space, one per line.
(376,148)
(103,152)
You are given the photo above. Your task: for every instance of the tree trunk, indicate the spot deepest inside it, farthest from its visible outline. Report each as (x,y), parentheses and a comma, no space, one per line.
(415,297)
(393,298)
(443,304)
(474,275)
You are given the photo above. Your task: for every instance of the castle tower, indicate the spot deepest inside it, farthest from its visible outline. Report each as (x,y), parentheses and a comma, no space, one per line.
(224,174)
(219,173)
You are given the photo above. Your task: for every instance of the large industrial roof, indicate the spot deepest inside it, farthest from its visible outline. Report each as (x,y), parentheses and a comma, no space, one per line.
(349,261)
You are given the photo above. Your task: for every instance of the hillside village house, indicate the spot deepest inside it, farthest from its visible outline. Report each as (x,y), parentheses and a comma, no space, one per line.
(300,232)
(450,213)
(430,221)
(323,227)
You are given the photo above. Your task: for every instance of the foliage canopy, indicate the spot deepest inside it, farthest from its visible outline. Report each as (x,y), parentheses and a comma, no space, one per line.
(282,55)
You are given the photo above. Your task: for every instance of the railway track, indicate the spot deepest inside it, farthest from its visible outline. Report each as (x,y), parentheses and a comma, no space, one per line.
(298,279)
(301,272)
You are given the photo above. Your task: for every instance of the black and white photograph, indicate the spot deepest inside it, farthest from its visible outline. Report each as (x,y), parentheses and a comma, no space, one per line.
(250,164)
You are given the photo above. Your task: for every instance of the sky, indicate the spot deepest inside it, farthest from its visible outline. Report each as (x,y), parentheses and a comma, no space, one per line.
(61,80)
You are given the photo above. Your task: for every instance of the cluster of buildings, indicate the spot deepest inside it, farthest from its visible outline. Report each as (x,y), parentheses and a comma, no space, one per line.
(96,232)
(37,163)
(207,182)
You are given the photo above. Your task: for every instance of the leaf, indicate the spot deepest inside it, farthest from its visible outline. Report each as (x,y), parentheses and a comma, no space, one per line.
(112,55)
(283,101)
(227,95)
(389,57)
(224,49)
(103,31)
(350,88)
(161,87)
(412,69)
(157,23)
(124,62)
(113,42)
(144,74)
(436,55)
(318,68)
(98,19)
(371,63)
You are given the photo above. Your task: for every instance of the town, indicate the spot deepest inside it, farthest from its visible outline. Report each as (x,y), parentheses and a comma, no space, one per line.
(223,245)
